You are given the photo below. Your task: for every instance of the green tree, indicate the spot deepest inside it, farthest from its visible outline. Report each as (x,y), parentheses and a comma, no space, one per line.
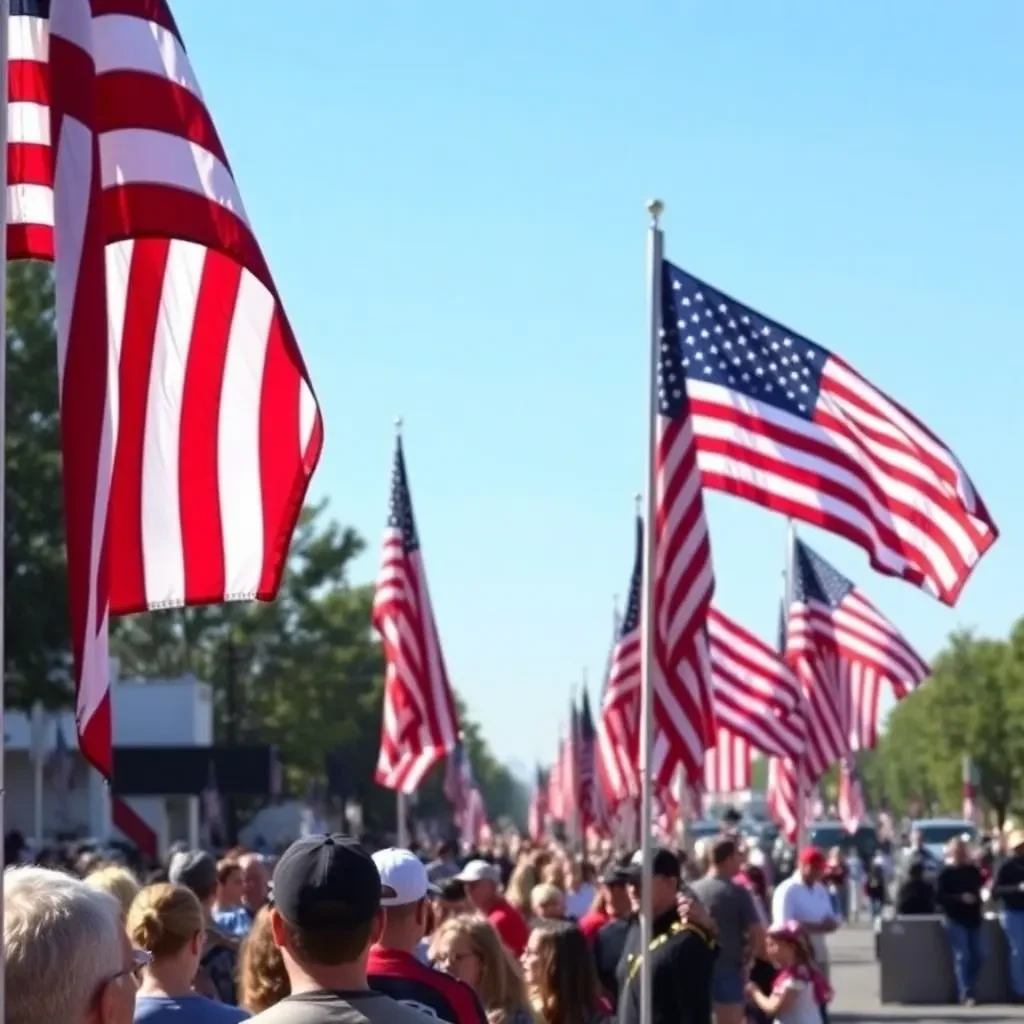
(36,628)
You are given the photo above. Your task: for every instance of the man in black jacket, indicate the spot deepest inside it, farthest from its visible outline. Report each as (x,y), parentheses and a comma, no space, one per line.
(958,894)
(681,955)
(1009,890)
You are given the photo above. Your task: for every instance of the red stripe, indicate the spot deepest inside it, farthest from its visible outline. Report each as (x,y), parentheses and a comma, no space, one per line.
(134,99)
(145,287)
(28,81)
(29,242)
(29,163)
(199,465)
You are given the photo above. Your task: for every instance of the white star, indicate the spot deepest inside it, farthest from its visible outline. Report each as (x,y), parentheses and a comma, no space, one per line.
(759,371)
(790,394)
(695,318)
(786,342)
(723,308)
(744,319)
(766,331)
(685,302)
(774,346)
(686,362)
(699,297)
(772,367)
(705,334)
(718,328)
(810,354)
(732,325)
(802,408)
(707,369)
(732,379)
(727,345)
(767,387)
(736,361)
(803,388)
(677,394)
(676,285)
(722,365)
(699,355)
(713,349)
(795,375)
(745,376)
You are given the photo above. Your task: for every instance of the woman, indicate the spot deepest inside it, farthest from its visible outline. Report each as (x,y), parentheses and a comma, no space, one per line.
(800,990)
(580,891)
(262,979)
(560,975)
(835,879)
(118,882)
(547,903)
(468,948)
(167,922)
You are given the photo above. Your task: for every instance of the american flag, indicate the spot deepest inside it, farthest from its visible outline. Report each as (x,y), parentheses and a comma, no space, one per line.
(683,579)
(591,803)
(851,795)
(569,773)
(783,422)
(458,778)
(727,766)
(970,789)
(174,351)
(837,640)
(757,696)
(556,786)
(784,795)
(538,813)
(619,723)
(420,722)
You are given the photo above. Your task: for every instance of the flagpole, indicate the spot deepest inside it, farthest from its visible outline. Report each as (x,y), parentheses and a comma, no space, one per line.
(400,812)
(5,28)
(801,780)
(654,243)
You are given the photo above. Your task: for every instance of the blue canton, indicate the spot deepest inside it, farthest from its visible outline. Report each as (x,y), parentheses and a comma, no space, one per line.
(400,504)
(708,336)
(815,580)
(631,620)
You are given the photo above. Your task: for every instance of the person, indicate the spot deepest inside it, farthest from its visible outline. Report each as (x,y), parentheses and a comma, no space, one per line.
(445,866)
(262,979)
(958,895)
(228,911)
(469,948)
(325,916)
(739,928)
(876,888)
(610,940)
(580,888)
(835,880)
(67,958)
(610,901)
(118,881)
(1008,889)
(916,895)
(799,991)
(393,967)
(803,898)
(682,955)
(450,901)
(167,921)
(481,881)
(560,976)
(196,870)
(547,903)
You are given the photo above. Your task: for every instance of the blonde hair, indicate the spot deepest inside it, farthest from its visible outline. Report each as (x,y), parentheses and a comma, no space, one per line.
(116,881)
(164,919)
(544,894)
(262,977)
(501,988)
(520,885)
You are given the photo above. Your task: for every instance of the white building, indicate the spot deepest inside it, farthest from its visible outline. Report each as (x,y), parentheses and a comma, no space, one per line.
(51,796)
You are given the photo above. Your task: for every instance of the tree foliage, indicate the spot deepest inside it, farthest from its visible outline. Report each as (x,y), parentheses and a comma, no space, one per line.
(308,667)
(972,706)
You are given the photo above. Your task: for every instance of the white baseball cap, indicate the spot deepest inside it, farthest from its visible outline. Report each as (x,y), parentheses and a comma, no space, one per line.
(479,871)
(403,877)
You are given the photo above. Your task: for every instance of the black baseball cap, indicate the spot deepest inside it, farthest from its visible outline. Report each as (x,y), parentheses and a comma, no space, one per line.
(664,864)
(614,875)
(326,881)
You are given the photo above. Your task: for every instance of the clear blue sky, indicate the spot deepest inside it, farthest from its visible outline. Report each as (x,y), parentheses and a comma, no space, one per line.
(451,196)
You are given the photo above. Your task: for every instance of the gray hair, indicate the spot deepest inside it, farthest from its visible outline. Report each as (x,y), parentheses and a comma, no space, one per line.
(62,940)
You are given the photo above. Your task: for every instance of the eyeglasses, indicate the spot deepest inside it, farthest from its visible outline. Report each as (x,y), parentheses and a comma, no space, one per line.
(140,958)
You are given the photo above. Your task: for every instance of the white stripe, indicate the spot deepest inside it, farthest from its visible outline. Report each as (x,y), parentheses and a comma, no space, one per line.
(162,546)
(238,433)
(125,43)
(30,204)
(28,123)
(307,416)
(29,38)
(142,156)
(118,259)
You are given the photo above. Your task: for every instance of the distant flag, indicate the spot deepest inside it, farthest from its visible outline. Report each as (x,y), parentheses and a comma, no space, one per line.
(61,768)
(851,805)
(556,784)
(783,422)
(189,428)
(420,722)
(592,814)
(538,812)
(462,791)
(213,815)
(570,772)
(970,790)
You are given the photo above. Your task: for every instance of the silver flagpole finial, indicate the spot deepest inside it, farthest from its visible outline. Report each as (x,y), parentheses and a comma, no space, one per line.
(638,500)
(655,207)
(398,425)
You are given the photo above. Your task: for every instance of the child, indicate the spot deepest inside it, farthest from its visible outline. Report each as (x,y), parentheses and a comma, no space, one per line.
(800,992)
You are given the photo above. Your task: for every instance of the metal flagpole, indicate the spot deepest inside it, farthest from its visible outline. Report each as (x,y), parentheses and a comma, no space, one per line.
(801,780)
(5,28)
(403,827)
(654,208)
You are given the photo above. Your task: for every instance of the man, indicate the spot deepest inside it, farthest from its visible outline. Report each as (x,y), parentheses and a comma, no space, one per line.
(393,967)
(1009,889)
(958,894)
(197,870)
(445,866)
(609,940)
(803,898)
(481,881)
(740,932)
(67,957)
(326,915)
(613,902)
(682,956)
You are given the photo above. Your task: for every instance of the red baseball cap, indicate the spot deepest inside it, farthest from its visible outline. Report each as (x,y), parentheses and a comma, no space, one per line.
(812,857)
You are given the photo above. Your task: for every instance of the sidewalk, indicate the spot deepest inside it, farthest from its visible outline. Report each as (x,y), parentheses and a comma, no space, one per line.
(855,979)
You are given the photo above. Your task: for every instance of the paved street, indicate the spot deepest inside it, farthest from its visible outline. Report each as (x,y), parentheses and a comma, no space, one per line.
(855,977)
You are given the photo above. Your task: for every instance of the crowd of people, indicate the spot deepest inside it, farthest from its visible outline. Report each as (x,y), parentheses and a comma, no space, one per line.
(332,931)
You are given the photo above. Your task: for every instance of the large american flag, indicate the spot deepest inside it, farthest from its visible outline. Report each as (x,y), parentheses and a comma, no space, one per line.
(189,426)
(727,767)
(757,695)
(683,579)
(420,722)
(619,723)
(781,421)
(842,649)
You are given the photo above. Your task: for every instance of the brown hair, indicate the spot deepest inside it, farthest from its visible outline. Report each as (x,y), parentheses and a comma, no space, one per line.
(226,868)
(329,946)
(501,987)
(567,992)
(164,919)
(262,979)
